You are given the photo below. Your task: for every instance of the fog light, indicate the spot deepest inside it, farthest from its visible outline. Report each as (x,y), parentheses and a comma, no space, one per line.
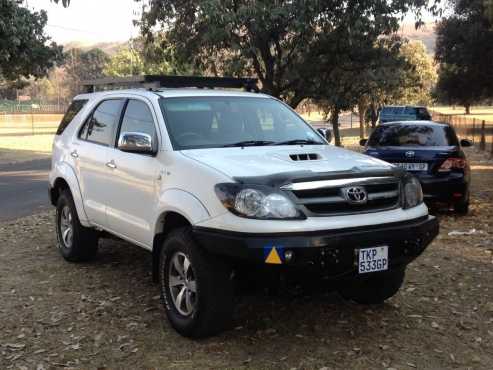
(288,256)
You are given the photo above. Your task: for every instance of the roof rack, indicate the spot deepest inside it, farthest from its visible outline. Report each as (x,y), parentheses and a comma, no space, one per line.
(159,81)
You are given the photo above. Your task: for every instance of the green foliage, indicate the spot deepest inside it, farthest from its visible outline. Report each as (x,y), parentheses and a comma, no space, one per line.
(25,50)
(138,59)
(83,65)
(283,42)
(419,79)
(464,50)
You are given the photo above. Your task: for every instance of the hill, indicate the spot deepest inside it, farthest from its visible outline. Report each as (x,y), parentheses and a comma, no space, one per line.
(425,33)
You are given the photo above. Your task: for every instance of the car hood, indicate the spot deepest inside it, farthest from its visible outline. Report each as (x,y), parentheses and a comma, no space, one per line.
(267,160)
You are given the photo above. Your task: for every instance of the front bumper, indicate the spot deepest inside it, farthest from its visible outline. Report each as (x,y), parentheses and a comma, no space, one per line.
(333,251)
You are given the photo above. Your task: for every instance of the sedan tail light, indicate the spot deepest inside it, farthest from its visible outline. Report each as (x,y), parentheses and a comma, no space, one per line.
(453,164)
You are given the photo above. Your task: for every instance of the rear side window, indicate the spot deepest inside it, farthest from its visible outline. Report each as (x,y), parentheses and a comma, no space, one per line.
(74,108)
(101,126)
(413,135)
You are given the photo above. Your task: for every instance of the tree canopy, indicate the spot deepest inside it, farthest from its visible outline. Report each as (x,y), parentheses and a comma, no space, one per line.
(25,49)
(464,49)
(280,42)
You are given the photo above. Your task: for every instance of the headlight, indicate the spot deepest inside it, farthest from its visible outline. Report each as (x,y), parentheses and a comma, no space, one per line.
(412,192)
(255,201)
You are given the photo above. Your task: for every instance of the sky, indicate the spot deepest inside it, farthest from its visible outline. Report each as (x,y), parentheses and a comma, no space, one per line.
(94,21)
(90,21)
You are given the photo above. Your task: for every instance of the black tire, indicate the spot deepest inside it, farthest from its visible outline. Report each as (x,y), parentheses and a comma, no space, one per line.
(462,207)
(83,245)
(373,289)
(212,300)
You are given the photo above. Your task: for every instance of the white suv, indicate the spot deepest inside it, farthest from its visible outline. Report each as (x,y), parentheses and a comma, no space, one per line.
(223,185)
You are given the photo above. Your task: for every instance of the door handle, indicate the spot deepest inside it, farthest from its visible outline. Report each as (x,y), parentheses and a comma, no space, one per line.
(111,164)
(75,154)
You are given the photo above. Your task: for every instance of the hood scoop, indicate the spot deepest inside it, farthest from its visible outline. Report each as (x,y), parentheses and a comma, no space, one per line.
(305,157)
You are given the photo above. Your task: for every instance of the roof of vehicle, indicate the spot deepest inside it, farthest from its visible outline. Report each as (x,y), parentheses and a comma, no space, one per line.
(414,123)
(171,93)
(404,106)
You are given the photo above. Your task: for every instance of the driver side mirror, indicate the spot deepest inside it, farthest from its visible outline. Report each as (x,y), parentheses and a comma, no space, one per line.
(136,142)
(363,142)
(465,143)
(326,133)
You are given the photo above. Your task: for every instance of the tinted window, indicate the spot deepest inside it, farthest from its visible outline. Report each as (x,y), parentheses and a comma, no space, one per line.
(207,122)
(413,135)
(72,111)
(138,118)
(103,122)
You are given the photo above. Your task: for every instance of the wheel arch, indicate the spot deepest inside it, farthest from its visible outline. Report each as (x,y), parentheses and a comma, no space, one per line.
(65,178)
(167,222)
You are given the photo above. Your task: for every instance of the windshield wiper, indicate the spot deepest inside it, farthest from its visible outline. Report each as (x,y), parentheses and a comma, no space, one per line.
(299,142)
(249,143)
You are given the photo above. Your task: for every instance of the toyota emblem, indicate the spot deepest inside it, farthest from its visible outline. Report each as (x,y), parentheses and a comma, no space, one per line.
(355,195)
(410,154)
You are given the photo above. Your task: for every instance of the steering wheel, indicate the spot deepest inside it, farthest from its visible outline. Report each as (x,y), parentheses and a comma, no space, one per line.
(190,135)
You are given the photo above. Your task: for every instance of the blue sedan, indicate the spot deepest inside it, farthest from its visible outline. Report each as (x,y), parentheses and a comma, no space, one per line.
(432,152)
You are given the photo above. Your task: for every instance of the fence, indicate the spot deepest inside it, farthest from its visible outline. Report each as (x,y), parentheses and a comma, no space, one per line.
(8,107)
(480,132)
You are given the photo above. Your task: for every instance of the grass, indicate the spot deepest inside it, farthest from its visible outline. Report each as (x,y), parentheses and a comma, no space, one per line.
(481,113)
(17,142)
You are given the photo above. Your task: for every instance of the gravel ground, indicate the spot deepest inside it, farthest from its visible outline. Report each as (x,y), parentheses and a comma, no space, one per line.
(107,314)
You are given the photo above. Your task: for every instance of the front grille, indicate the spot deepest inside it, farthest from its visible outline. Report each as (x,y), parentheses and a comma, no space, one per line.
(381,194)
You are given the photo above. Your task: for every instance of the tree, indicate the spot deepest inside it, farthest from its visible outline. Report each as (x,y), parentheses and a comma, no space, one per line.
(420,77)
(25,49)
(280,42)
(84,65)
(464,49)
(139,59)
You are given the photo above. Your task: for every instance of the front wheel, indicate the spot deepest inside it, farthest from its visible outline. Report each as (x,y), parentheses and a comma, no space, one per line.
(196,287)
(373,289)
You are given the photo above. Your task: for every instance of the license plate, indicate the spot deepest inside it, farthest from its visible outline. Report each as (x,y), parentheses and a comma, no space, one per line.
(413,166)
(373,259)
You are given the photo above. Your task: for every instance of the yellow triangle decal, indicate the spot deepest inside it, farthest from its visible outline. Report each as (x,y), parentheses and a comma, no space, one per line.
(273,257)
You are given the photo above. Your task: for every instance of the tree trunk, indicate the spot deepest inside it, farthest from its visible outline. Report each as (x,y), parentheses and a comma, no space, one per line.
(374,116)
(361,115)
(468,108)
(334,120)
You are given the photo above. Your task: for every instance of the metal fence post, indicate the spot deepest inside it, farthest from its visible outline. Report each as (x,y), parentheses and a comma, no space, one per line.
(482,143)
(473,129)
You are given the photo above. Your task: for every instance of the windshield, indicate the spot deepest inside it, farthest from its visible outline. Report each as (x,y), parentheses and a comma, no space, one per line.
(217,121)
(413,135)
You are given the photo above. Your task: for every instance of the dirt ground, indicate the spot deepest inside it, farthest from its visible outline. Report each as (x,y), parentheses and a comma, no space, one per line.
(107,314)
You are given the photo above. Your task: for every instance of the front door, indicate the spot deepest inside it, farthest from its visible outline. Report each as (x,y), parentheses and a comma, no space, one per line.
(132,203)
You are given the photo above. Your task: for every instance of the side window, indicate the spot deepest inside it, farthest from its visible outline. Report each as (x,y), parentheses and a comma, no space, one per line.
(103,122)
(138,118)
(74,108)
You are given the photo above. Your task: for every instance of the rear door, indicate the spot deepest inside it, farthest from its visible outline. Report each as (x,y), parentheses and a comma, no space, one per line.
(90,153)
(132,202)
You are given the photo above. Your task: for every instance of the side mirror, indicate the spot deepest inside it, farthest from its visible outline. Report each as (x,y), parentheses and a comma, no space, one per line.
(136,142)
(465,143)
(326,133)
(363,142)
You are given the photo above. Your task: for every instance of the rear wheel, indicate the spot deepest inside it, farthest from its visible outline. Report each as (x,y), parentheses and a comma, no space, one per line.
(75,242)
(462,207)
(373,289)
(196,287)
